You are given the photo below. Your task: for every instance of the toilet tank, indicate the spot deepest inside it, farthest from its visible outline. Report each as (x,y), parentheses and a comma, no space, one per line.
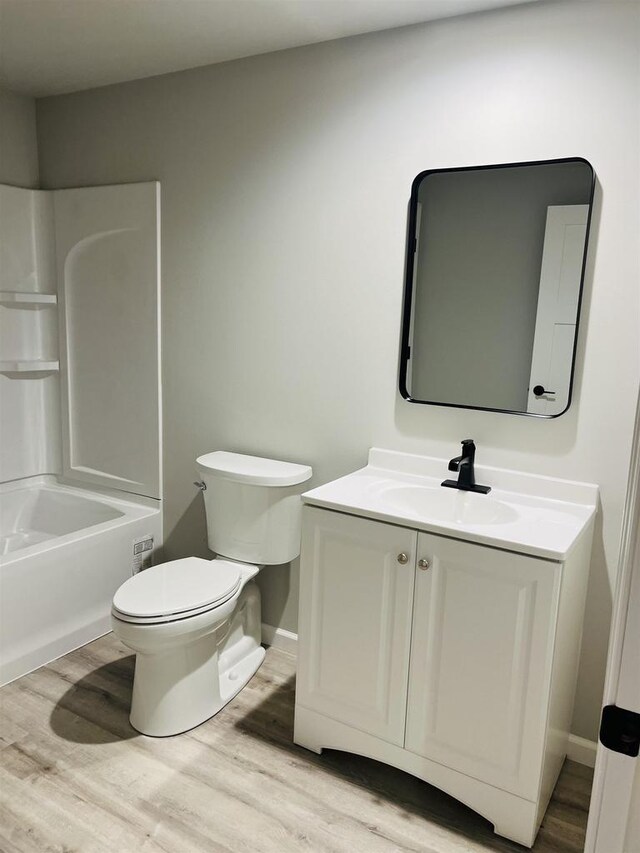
(253,506)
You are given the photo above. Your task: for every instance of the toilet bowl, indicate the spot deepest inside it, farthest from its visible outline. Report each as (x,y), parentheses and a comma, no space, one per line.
(195,624)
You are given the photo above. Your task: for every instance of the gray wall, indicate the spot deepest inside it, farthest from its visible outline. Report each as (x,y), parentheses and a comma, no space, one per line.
(18,141)
(285,181)
(478,276)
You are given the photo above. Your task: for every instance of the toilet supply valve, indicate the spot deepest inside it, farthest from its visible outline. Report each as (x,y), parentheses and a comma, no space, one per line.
(200,484)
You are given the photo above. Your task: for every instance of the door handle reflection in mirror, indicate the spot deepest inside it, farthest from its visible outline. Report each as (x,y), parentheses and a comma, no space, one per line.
(539,390)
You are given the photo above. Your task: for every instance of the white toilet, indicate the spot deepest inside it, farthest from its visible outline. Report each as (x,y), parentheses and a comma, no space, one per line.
(195,624)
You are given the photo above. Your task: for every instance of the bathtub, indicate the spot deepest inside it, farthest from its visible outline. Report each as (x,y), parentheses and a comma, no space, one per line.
(63,553)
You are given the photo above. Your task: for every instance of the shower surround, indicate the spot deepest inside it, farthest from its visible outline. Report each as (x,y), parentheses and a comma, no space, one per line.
(80,469)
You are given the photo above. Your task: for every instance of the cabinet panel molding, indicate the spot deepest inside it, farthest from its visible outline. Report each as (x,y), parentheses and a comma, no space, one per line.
(482,646)
(355,621)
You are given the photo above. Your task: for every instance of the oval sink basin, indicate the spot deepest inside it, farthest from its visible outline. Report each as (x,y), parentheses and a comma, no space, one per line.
(448,505)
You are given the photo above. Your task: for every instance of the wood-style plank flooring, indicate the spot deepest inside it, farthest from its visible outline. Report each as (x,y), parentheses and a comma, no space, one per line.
(74,776)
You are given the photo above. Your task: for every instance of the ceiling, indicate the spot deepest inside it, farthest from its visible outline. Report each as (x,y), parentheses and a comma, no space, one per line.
(48,47)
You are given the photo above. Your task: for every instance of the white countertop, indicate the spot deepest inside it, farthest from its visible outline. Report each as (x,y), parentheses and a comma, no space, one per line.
(526,513)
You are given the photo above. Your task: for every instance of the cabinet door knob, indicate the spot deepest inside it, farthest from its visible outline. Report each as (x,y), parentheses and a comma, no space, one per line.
(403,558)
(424,564)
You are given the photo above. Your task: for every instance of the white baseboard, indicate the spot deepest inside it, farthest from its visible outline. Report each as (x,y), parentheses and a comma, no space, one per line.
(280,638)
(582,750)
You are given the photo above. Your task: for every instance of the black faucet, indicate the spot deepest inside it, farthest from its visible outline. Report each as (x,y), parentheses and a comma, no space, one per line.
(466,481)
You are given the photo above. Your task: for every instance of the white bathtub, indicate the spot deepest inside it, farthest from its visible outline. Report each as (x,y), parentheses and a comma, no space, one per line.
(63,553)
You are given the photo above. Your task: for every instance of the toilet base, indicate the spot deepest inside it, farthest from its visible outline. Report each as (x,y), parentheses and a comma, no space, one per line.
(174,716)
(232,681)
(178,689)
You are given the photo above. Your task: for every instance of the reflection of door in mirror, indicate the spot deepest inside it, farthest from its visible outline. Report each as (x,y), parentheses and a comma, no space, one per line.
(492,287)
(555,328)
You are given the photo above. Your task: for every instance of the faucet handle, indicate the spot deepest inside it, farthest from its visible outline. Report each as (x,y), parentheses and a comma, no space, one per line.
(468,448)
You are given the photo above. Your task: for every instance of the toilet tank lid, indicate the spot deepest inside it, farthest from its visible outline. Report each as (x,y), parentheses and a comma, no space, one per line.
(253,470)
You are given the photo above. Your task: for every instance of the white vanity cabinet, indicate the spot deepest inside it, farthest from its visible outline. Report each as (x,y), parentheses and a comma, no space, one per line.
(449,659)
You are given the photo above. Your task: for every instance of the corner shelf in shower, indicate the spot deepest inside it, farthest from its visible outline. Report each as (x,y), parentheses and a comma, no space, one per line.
(29,366)
(17,297)
(28,299)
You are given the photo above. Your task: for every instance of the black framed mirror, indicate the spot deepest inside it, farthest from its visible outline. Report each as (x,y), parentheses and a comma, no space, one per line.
(493,285)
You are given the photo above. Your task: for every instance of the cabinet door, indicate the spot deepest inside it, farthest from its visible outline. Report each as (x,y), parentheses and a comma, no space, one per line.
(481,652)
(355,621)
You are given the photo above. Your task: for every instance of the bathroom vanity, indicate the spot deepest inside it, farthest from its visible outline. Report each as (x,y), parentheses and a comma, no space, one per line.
(439,631)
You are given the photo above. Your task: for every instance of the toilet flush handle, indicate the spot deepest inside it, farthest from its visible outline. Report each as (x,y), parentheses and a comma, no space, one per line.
(200,484)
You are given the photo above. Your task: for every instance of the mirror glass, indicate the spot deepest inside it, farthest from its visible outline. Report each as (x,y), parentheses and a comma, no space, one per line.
(494,273)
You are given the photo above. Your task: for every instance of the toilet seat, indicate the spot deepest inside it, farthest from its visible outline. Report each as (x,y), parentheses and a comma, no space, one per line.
(176,590)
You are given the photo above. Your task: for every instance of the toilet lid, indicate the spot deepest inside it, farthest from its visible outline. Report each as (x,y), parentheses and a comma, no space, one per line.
(178,587)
